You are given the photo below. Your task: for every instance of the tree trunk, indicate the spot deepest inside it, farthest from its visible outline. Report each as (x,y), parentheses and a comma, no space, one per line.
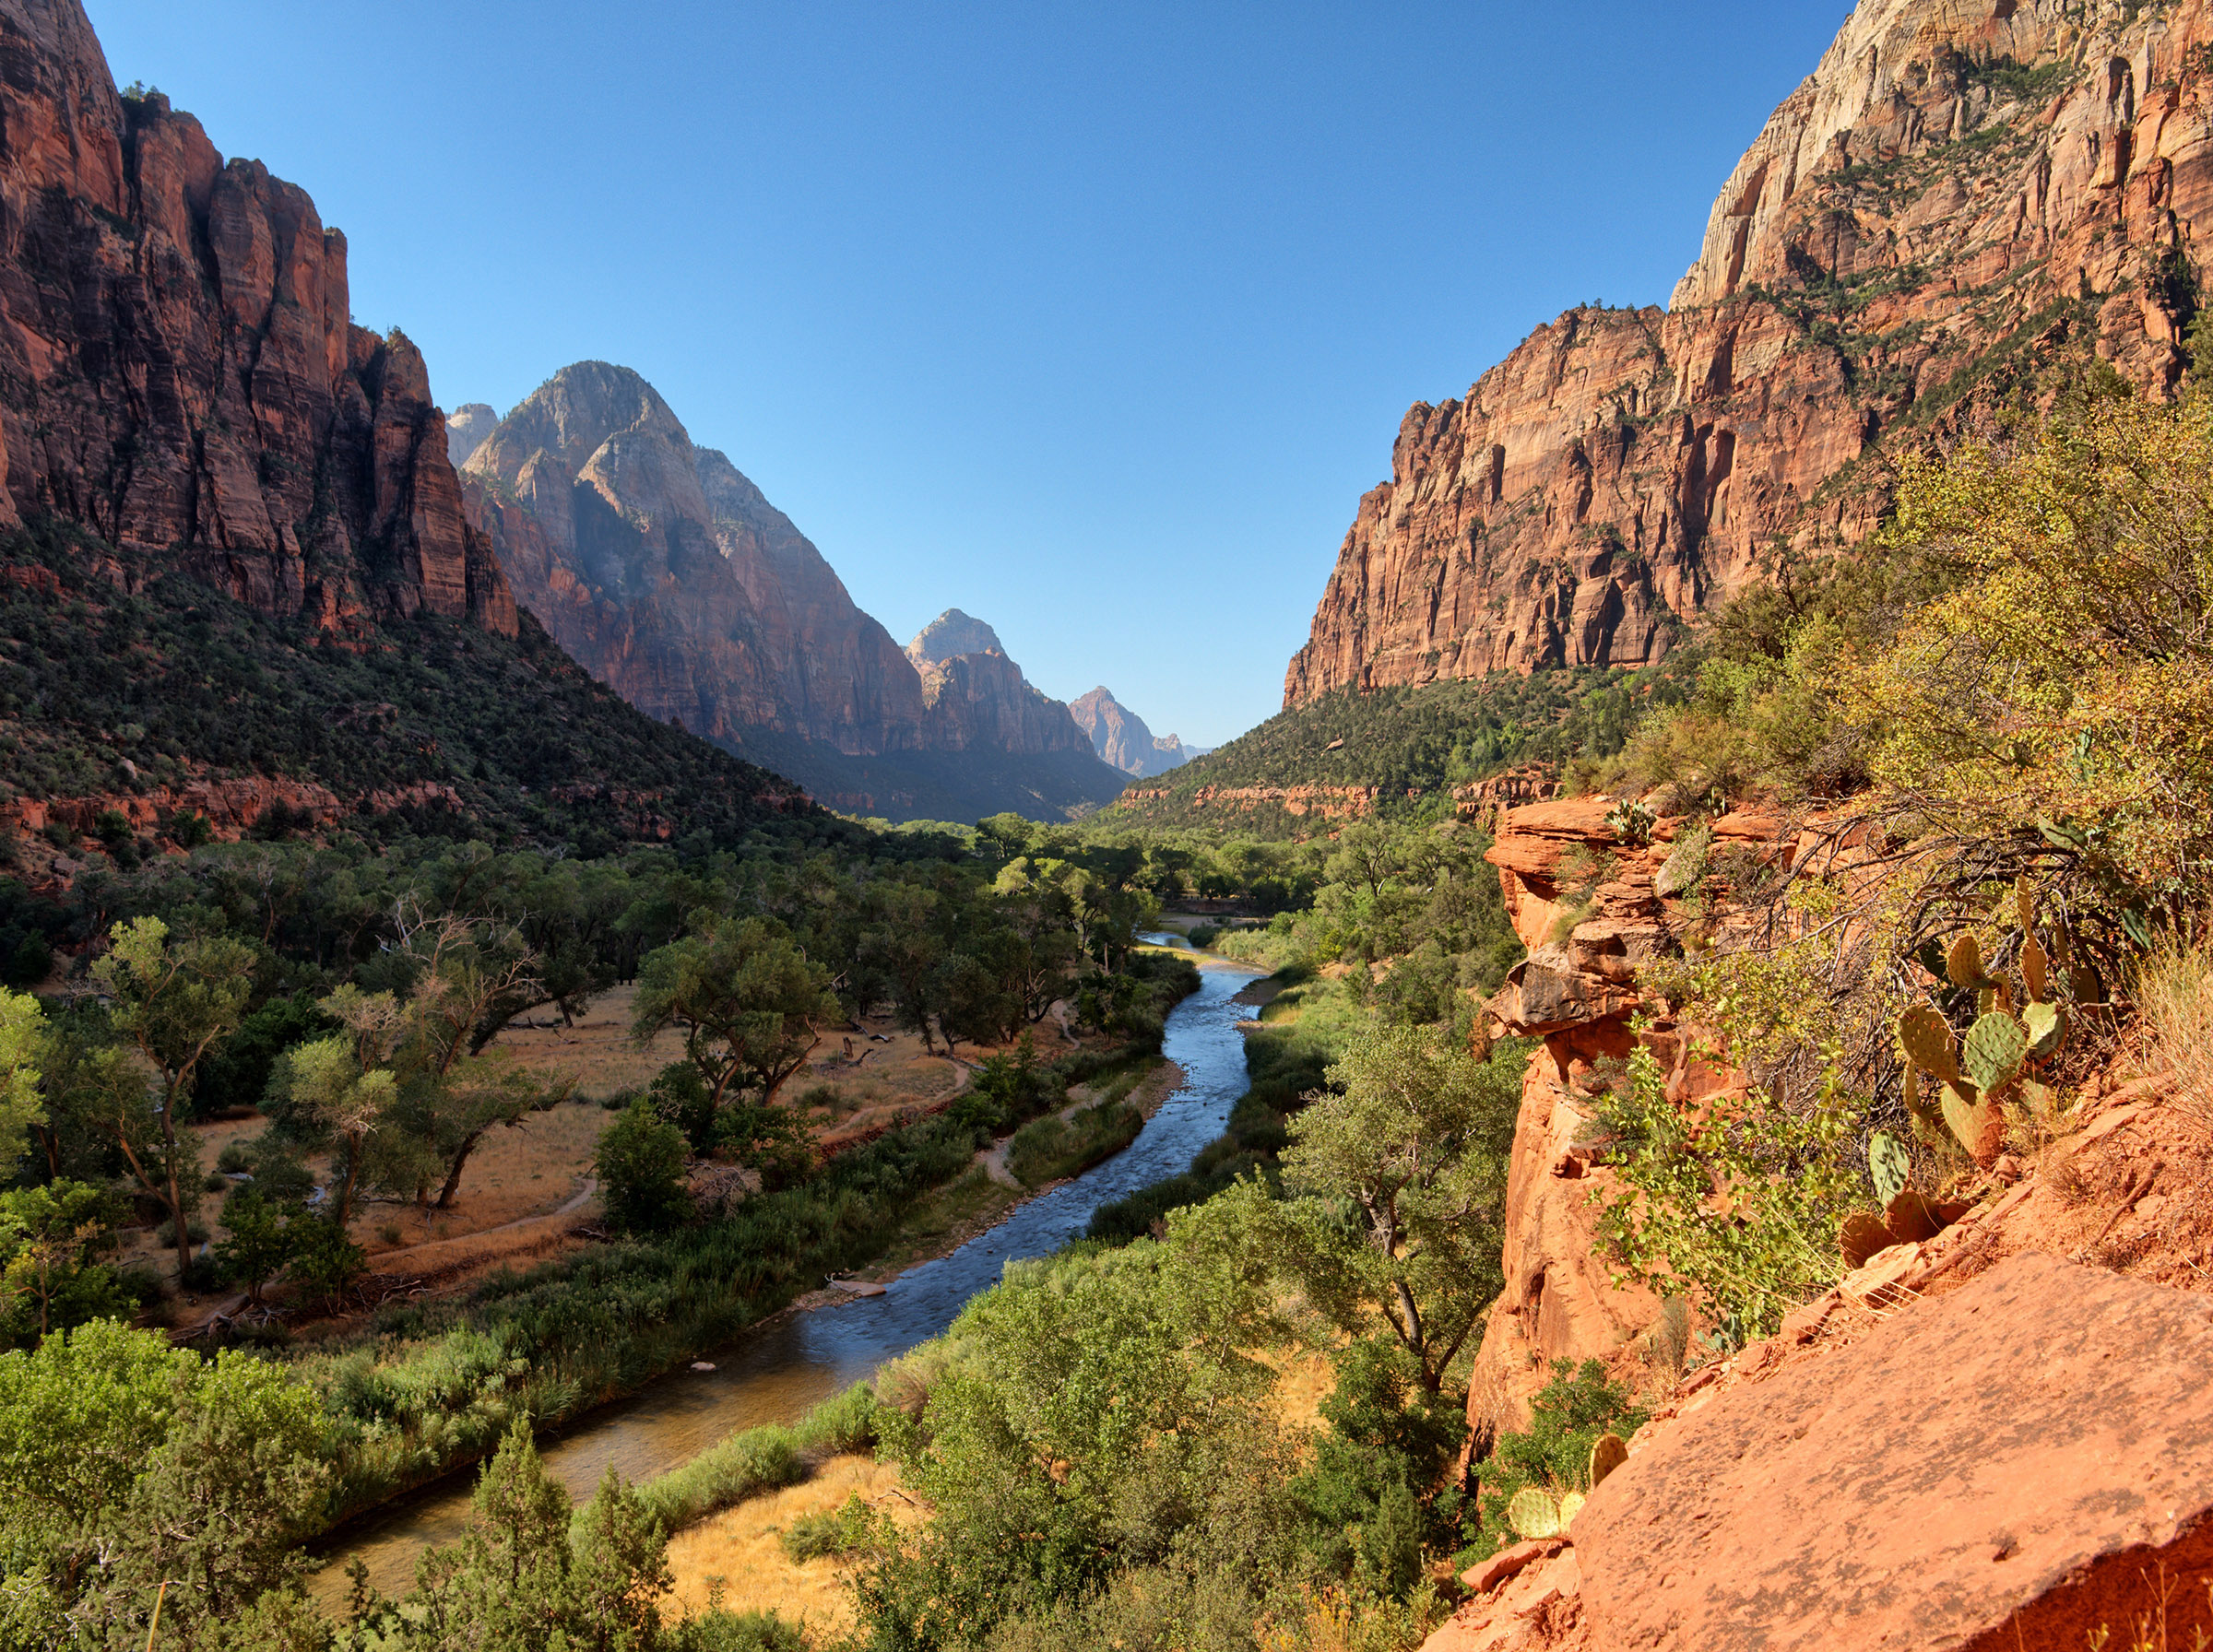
(176,1198)
(452,1176)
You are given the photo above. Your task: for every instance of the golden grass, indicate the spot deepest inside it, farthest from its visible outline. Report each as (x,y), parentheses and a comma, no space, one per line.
(2174,994)
(742,1547)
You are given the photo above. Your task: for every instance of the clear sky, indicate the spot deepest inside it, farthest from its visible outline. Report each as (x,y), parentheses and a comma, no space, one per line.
(1093,320)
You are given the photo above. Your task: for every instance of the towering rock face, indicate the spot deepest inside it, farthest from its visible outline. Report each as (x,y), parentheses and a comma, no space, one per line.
(466,428)
(671,578)
(1965,194)
(952,633)
(178,373)
(1120,736)
(662,569)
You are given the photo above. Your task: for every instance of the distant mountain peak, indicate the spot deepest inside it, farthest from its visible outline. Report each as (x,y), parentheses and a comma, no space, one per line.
(1120,737)
(466,428)
(952,633)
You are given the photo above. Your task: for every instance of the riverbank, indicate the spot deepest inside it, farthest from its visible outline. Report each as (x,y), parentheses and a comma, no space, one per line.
(789,1361)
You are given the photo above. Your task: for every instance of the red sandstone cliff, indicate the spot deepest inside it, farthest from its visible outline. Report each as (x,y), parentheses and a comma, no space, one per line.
(1963,192)
(177,368)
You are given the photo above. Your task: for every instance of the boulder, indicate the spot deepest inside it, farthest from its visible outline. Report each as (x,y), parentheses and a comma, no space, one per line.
(2022,1463)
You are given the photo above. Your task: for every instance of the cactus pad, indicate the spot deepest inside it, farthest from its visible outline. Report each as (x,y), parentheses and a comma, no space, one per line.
(1607,1455)
(1995,1048)
(1571,1504)
(1972,1119)
(1888,1164)
(1926,1037)
(2024,901)
(1533,1513)
(2036,971)
(2046,1027)
(1963,964)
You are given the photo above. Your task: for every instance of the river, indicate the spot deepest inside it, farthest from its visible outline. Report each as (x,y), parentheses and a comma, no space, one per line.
(776,1372)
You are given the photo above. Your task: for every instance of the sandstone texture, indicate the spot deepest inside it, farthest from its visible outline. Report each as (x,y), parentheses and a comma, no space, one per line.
(178,372)
(1963,194)
(1121,739)
(668,575)
(2021,1462)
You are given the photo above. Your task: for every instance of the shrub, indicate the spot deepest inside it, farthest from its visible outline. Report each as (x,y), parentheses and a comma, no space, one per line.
(1567,1418)
(641,1161)
(2174,994)
(832,1533)
(326,1261)
(743,1467)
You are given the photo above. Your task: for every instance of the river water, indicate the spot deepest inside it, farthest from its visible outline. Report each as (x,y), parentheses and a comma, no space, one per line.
(776,1372)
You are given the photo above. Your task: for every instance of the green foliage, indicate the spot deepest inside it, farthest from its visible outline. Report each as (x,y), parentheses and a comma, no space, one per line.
(327,1261)
(51,1279)
(749,1003)
(237,1075)
(1054,1146)
(1567,1418)
(1399,1191)
(123,1463)
(641,1160)
(530,745)
(263,1237)
(1741,1197)
(22,1046)
(834,1533)
(744,1466)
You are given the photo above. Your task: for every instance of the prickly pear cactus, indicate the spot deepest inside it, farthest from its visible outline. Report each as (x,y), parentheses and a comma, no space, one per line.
(1533,1513)
(1963,964)
(1927,1038)
(2045,1026)
(1995,1048)
(1571,1504)
(1890,1164)
(2036,971)
(1973,1118)
(1607,1453)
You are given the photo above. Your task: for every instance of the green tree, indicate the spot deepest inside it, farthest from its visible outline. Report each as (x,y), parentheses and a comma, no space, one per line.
(50,1239)
(176,1003)
(124,1463)
(22,1046)
(1399,1190)
(263,1238)
(641,1163)
(750,1005)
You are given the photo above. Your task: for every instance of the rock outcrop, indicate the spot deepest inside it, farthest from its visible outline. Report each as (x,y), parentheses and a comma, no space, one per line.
(2021,1460)
(466,428)
(1120,737)
(178,372)
(952,633)
(662,569)
(1965,194)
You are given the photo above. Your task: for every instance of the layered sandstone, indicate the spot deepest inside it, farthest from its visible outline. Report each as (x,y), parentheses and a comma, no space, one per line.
(1121,736)
(178,372)
(1963,195)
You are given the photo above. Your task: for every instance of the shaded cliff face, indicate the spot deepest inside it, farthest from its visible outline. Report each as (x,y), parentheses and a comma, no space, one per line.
(177,370)
(1964,195)
(1121,737)
(669,577)
(664,571)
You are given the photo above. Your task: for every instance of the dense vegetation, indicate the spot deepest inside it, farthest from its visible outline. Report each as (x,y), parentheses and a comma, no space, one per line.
(1993,719)
(1413,745)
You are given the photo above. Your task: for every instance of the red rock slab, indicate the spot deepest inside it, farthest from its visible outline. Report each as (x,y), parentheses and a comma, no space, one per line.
(2015,1465)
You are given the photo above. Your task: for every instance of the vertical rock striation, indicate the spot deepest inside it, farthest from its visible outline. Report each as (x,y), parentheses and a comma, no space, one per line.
(178,372)
(1964,195)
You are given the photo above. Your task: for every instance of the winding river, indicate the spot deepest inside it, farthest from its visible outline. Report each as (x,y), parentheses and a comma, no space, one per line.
(777,1370)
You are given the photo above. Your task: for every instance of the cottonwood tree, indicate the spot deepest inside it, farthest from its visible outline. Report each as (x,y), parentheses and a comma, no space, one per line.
(22,1046)
(1398,1187)
(175,1003)
(750,1005)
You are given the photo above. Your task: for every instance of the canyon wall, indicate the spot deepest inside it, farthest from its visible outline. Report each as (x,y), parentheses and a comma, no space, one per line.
(1965,196)
(1121,737)
(178,372)
(667,574)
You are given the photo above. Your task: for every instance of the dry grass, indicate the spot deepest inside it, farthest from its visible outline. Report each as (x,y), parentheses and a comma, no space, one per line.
(743,1548)
(2175,995)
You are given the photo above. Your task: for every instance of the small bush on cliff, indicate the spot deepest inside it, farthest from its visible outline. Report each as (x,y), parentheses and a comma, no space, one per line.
(1554,1453)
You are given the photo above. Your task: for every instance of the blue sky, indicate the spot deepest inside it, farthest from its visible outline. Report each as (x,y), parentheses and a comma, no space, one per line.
(1094,321)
